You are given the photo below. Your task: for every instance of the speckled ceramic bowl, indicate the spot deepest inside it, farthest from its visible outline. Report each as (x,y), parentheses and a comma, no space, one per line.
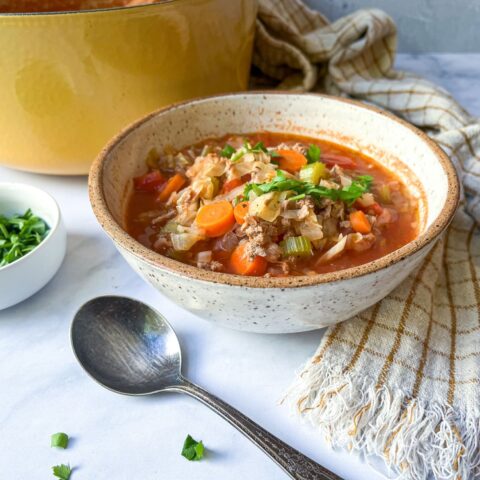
(277,305)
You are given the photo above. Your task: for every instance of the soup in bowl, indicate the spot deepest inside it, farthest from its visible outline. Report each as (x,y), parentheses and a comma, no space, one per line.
(271,205)
(273,212)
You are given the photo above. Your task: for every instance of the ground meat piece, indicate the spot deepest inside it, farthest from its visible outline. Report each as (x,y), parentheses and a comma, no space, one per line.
(336,173)
(330,227)
(329,184)
(307,201)
(260,235)
(304,212)
(359,242)
(323,203)
(297,147)
(273,253)
(285,266)
(162,242)
(214,266)
(239,232)
(338,210)
(326,212)
(253,249)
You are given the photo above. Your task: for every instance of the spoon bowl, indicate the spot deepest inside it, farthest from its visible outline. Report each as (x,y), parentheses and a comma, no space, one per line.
(130,348)
(126,346)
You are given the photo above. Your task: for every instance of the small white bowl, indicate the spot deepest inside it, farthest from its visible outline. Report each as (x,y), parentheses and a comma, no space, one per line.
(24,277)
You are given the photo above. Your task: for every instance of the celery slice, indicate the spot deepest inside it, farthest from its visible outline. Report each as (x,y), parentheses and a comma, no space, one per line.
(313,172)
(297,246)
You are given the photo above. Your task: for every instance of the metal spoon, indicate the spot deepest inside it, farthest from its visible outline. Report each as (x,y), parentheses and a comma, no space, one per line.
(129,348)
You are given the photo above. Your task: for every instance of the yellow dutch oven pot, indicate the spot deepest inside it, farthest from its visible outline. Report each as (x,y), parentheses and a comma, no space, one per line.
(70,80)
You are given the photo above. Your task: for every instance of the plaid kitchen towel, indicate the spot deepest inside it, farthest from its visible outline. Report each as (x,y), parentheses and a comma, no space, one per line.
(400,380)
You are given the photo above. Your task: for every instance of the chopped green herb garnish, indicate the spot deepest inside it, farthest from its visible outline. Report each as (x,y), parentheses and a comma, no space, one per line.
(297,197)
(257,148)
(227,151)
(238,155)
(313,153)
(62,471)
(281,183)
(193,450)
(235,155)
(19,235)
(257,190)
(356,189)
(59,440)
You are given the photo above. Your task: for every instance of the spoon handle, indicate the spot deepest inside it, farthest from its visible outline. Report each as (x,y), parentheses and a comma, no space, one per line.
(294,463)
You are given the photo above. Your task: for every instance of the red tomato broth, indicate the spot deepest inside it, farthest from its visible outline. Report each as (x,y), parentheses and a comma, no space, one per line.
(395,235)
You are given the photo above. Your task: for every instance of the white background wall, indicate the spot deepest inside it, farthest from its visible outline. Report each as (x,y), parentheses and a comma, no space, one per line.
(423,25)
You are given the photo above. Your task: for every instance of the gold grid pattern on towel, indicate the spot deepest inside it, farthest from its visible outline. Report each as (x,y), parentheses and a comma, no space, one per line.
(421,344)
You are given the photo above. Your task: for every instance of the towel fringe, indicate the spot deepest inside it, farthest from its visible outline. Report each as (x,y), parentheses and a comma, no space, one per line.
(414,438)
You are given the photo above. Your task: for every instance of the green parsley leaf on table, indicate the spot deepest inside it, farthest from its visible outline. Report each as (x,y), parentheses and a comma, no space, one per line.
(192,450)
(59,440)
(62,472)
(313,153)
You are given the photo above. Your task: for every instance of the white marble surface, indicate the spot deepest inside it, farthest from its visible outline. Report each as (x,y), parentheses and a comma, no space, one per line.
(43,390)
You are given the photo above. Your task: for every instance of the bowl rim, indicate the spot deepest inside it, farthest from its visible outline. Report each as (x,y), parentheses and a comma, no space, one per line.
(53,228)
(128,243)
(84,12)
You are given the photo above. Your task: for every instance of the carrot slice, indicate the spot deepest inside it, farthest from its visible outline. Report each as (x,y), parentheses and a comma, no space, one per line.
(242,265)
(360,222)
(240,212)
(291,161)
(216,218)
(149,182)
(230,185)
(174,184)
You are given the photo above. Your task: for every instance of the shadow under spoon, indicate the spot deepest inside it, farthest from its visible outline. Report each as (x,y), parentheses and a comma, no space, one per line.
(131,349)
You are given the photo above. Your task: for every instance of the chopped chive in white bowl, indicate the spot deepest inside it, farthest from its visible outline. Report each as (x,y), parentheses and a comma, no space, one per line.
(32,241)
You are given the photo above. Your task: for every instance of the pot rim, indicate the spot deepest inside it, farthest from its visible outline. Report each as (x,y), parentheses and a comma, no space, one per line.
(87,11)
